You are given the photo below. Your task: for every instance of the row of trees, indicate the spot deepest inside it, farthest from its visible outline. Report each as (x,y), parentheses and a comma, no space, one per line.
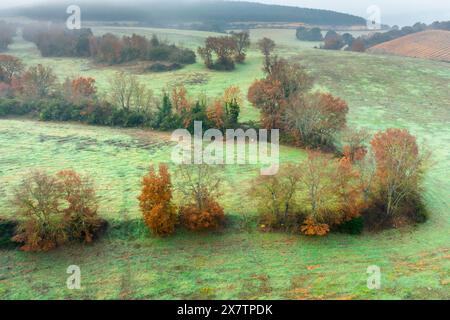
(287,102)
(309,34)
(228,50)
(108,48)
(7,32)
(52,210)
(128,103)
(379,187)
(56,41)
(396,32)
(335,41)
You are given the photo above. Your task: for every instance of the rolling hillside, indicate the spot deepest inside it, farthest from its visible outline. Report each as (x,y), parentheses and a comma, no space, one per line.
(430,44)
(163,13)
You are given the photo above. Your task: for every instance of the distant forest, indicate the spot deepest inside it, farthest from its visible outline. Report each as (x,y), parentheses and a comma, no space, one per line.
(207,13)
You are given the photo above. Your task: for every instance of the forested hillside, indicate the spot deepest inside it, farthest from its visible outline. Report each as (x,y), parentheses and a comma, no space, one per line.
(207,12)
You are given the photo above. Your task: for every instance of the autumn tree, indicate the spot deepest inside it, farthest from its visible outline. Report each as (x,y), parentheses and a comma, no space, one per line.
(233,94)
(242,43)
(224,112)
(350,191)
(155,201)
(272,94)
(180,100)
(358,45)
(316,117)
(37,201)
(276,198)
(206,54)
(268,96)
(80,89)
(37,82)
(266,46)
(54,209)
(319,198)
(128,93)
(10,67)
(400,169)
(355,143)
(80,213)
(333,41)
(107,48)
(199,184)
(223,48)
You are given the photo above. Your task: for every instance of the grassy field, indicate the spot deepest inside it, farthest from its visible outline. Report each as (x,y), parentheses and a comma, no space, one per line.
(129,263)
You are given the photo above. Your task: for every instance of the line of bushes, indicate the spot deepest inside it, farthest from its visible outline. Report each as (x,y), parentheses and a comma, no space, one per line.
(57,41)
(129,103)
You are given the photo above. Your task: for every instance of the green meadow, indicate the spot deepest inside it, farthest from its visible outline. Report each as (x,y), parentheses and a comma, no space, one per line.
(237,262)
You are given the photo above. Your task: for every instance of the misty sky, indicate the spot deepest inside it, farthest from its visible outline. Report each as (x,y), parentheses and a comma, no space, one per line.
(402,12)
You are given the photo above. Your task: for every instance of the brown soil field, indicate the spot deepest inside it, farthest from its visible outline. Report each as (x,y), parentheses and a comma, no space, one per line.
(431,44)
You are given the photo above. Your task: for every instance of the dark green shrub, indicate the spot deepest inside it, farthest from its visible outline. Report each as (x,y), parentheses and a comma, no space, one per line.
(353,226)
(7,231)
(99,113)
(182,56)
(159,53)
(13,107)
(161,67)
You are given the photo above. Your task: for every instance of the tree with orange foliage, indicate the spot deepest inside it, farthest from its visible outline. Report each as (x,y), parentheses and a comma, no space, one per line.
(316,117)
(313,228)
(80,213)
(54,209)
(37,82)
(268,96)
(224,112)
(358,45)
(155,201)
(400,168)
(10,67)
(272,95)
(355,141)
(233,94)
(80,89)
(200,186)
(349,189)
(216,113)
(179,99)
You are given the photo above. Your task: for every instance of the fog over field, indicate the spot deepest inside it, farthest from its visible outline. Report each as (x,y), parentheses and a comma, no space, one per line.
(401,12)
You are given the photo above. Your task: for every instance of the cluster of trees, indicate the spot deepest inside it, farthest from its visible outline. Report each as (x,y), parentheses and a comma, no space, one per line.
(113,50)
(55,209)
(7,32)
(60,42)
(287,103)
(56,41)
(376,187)
(309,34)
(228,50)
(199,186)
(335,41)
(129,103)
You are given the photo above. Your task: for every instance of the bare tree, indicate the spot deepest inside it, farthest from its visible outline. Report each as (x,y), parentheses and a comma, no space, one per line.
(127,92)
